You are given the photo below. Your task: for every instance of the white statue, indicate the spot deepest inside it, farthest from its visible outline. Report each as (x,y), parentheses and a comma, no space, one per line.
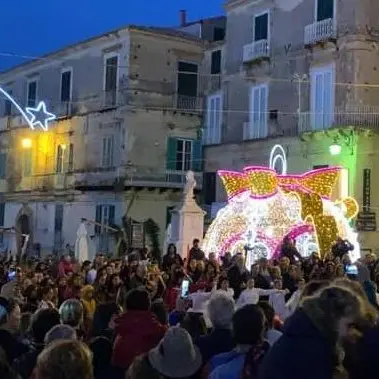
(190,186)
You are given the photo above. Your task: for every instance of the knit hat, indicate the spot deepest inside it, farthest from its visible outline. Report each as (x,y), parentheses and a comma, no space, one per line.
(176,356)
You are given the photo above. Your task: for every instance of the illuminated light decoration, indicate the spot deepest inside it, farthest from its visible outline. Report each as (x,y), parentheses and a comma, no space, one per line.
(273,206)
(38,116)
(335,149)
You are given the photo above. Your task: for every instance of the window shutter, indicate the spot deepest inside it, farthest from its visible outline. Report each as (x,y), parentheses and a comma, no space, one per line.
(197,150)
(3,165)
(327,100)
(2,213)
(58,168)
(319,101)
(71,157)
(169,215)
(209,187)
(111,219)
(171,153)
(98,219)
(217,117)
(263,112)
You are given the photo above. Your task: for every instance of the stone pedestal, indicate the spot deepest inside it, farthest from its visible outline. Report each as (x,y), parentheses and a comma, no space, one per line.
(187,221)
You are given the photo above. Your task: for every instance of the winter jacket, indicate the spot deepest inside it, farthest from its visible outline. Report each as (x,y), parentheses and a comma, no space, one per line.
(136,333)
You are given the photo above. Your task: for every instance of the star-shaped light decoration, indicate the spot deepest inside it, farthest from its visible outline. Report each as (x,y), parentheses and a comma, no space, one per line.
(39,116)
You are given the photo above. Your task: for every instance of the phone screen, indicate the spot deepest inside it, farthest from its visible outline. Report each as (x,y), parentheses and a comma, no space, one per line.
(185,289)
(11,274)
(351,270)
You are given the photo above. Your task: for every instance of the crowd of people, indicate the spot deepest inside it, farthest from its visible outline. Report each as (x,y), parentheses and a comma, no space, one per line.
(198,317)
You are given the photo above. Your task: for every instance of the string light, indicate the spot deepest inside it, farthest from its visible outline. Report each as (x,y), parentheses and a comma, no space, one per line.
(271,207)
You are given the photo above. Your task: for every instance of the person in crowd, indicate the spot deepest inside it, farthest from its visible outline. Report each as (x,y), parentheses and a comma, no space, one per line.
(42,321)
(72,313)
(46,298)
(171,257)
(243,361)
(87,298)
(174,357)
(278,300)
(289,250)
(251,295)
(103,320)
(237,275)
(65,359)
(177,315)
(272,334)
(101,348)
(195,252)
(137,329)
(316,329)
(220,311)
(65,266)
(341,247)
(10,317)
(294,300)
(9,289)
(139,279)
(223,286)
(60,332)
(31,299)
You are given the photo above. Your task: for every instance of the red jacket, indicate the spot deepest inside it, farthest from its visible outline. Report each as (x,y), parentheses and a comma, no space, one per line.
(136,333)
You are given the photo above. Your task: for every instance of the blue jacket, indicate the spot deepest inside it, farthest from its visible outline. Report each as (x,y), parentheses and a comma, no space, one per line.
(227,365)
(301,353)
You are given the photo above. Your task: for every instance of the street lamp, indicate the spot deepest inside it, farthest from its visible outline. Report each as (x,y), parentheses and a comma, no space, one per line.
(26,143)
(335,149)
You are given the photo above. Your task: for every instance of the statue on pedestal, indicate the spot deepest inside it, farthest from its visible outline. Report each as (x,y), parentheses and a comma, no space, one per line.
(189,187)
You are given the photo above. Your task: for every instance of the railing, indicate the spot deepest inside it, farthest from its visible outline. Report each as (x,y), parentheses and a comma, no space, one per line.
(42,182)
(214,83)
(254,130)
(135,176)
(320,31)
(190,104)
(364,116)
(63,109)
(256,50)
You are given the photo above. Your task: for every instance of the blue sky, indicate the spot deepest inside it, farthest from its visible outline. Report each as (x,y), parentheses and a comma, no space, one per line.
(35,27)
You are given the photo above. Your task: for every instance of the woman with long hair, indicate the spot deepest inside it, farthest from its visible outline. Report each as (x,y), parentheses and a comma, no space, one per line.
(316,329)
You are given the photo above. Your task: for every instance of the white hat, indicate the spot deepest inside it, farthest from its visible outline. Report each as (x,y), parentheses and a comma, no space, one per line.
(176,356)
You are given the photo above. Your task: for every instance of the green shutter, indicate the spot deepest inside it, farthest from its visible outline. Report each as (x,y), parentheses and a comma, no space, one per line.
(111,215)
(98,219)
(3,165)
(171,154)
(197,155)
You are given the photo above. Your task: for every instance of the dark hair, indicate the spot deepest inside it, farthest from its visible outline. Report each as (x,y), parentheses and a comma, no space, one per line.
(314,286)
(42,321)
(248,325)
(44,291)
(101,348)
(196,240)
(8,305)
(268,311)
(170,246)
(102,317)
(137,300)
(160,312)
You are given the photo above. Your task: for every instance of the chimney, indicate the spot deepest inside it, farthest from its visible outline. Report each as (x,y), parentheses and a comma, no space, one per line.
(183,17)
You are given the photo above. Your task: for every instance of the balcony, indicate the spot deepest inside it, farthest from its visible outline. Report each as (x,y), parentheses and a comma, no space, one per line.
(190,104)
(254,130)
(63,109)
(358,116)
(213,83)
(320,32)
(256,51)
(134,176)
(42,182)
(5,122)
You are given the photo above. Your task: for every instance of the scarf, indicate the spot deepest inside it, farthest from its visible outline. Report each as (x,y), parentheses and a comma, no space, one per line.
(253,358)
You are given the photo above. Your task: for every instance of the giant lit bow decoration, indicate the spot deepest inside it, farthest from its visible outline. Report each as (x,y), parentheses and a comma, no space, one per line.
(311,188)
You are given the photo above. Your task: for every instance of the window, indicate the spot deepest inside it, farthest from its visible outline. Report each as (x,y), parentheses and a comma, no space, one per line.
(214,119)
(111,79)
(105,215)
(218,34)
(209,187)
(322,97)
(32,93)
(2,214)
(26,162)
(258,112)
(66,85)
(261,27)
(324,9)
(60,159)
(187,83)
(70,157)
(8,106)
(169,211)
(107,152)
(3,165)
(216,62)
(184,154)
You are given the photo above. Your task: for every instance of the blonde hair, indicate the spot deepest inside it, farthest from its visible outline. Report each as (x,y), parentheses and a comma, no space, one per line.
(65,360)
